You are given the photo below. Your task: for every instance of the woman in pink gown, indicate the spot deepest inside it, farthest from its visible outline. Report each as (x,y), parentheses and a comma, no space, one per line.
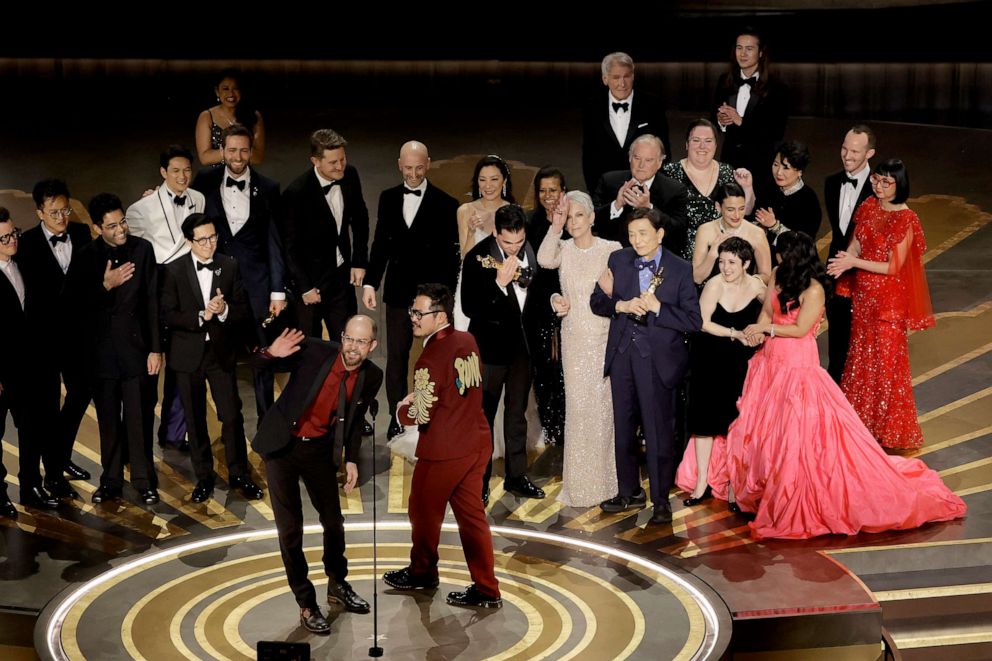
(798,456)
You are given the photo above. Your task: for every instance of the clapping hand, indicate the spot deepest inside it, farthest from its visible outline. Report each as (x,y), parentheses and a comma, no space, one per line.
(287,343)
(727,114)
(635,195)
(766,217)
(215,307)
(839,263)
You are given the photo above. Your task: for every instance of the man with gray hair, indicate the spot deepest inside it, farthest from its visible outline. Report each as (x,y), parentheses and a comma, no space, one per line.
(610,125)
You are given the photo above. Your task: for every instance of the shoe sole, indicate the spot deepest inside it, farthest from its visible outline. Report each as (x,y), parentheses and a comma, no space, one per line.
(632,506)
(398,586)
(481,604)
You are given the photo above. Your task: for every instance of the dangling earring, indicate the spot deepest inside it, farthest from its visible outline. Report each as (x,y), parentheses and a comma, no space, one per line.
(218,99)
(504,190)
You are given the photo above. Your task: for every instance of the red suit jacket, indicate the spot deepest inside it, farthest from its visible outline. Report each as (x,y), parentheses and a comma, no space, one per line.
(447,398)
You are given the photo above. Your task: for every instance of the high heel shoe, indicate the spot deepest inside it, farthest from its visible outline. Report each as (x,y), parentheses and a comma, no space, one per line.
(690,502)
(734,507)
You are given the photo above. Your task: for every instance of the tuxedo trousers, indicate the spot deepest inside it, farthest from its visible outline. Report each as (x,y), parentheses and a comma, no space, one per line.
(313,462)
(641,399)
(336,304)
(512,381)
(458,481)
(838,335)
(121,413)
(224,389)
(399,340)
(46,427)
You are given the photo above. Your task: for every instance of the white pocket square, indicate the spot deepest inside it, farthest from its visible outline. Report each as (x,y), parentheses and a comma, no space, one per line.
(640,126)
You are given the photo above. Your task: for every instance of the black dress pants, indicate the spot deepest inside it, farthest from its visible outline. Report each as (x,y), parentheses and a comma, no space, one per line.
(125,439)
(516,379)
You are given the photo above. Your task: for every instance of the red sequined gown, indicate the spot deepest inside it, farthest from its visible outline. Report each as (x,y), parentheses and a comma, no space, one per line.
(876,378)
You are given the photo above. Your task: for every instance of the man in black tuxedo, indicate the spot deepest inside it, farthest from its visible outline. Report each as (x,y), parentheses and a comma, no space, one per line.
(302,436)
(610,124)
(326,229)
(243,204)
(646,361)
(113,285)
(14,338)
(416,237)
(45,255)
(496,275)
(203,301)
(843,193)
(619,192)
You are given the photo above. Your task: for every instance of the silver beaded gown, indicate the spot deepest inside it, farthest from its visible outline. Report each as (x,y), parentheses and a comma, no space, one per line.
(589,474)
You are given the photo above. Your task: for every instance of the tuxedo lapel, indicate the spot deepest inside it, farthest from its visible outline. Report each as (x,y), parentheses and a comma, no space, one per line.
(194,282)
(355,397)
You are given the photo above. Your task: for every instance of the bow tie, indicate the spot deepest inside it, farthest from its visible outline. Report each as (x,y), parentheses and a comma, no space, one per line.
(645,264)
(328,187)
(58,238)
(209,266)
(617,107)
(852,181)
(179,200)
(750,82)
(234,183)
(410,191)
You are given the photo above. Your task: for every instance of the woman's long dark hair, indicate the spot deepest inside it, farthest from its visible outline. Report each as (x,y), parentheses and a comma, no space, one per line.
(498,163)
(800,265)
(244,114)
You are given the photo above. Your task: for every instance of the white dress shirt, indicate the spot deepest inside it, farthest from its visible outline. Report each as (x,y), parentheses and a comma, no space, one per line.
(9,268)
(520,292)
(206,279)
(411,203)
(849,197)
(237,203)
(335,201)
(620,119)
(61,249)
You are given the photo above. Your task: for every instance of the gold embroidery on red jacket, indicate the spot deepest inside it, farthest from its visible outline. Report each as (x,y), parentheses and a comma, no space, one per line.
(423,396)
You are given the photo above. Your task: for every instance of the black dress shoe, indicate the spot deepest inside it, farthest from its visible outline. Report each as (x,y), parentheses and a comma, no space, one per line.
(248,489)
(105,494)
(485,497)
(314,621)
(149,496)
(38,497)
(202,491)
(341,593)
(692,502)
(76,472)
(662,515)
(624,503)
(366,428)
(404,579)
(472,597)
(522,487)
(395,428)
(7,509)
(60,488)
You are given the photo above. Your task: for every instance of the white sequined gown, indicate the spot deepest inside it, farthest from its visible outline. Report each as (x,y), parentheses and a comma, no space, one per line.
(589,474)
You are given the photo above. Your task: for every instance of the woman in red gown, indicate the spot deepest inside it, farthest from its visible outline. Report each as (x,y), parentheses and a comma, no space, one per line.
(889,297)
(798,456)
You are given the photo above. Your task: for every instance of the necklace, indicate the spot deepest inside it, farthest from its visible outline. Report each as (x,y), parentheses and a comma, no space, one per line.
(729,232)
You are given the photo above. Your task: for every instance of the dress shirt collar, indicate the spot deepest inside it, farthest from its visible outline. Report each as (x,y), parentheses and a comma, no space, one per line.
(861,175)
(650,182)
(49,234)
(794,188)
(324,182)
(246,177)
(629,100)
(754,75)
(170,194)
(422,187)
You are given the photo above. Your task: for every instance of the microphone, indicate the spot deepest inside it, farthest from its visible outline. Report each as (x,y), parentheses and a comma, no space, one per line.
(374,408)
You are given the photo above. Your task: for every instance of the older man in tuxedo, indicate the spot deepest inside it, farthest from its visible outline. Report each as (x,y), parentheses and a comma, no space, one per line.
(612,122)
(13,340)
(326,230)
(203,302)
(158,218)
(619,192)
(244,203)
(45,255)
(843,193)
(114,288)
(302,436)
(416,239)
(651,301)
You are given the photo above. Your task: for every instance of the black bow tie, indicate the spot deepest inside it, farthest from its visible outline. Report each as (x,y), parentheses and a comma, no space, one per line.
(410,191)
(234,183)
(852,181)
(617,107)
(645,264)
(750,82)
(179,200)
(209,266)
(328,187)
(58,238)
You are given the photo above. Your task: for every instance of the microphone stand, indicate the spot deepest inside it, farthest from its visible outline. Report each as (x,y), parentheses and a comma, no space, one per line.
(375,651)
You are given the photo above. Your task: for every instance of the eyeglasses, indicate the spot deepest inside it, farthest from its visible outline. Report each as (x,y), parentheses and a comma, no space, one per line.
(114,226)
(882,182)
(203,241)
(417,315)
(360,341)
(7,238)
(60,213)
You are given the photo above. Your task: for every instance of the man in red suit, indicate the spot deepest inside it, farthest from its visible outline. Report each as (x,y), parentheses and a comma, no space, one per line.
(452,454)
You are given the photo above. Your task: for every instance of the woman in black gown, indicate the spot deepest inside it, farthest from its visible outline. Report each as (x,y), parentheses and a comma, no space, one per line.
(792,205)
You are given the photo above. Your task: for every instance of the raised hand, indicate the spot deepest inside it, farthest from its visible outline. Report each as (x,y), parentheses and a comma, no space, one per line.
(287,343)
(504,275)
(115,277)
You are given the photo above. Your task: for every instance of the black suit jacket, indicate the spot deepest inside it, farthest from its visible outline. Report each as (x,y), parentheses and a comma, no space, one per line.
(497,322)
(311,234)
(181,306)
(14,336)
(831,198)
(667,195)
(601,152)
(310,366)
(44,284)
(257,246)
(752,144)
(121,325)
(426,251)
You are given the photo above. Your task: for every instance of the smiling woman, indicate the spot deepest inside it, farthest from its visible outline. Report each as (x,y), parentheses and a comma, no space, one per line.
(212,121)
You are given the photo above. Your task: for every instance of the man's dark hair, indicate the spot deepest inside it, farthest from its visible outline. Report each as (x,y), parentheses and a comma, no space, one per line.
(657,219)
(441,298)
(174,151)
(49,189)
(236,130)
(510,217)
(195,220)
(101,205)
(325,139)
(4,215)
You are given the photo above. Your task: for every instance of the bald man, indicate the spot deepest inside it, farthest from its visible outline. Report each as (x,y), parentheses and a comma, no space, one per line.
(416,239)
(316,419)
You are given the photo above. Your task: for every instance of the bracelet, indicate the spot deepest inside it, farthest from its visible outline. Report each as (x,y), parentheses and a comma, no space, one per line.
(773,330)
(732,331)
